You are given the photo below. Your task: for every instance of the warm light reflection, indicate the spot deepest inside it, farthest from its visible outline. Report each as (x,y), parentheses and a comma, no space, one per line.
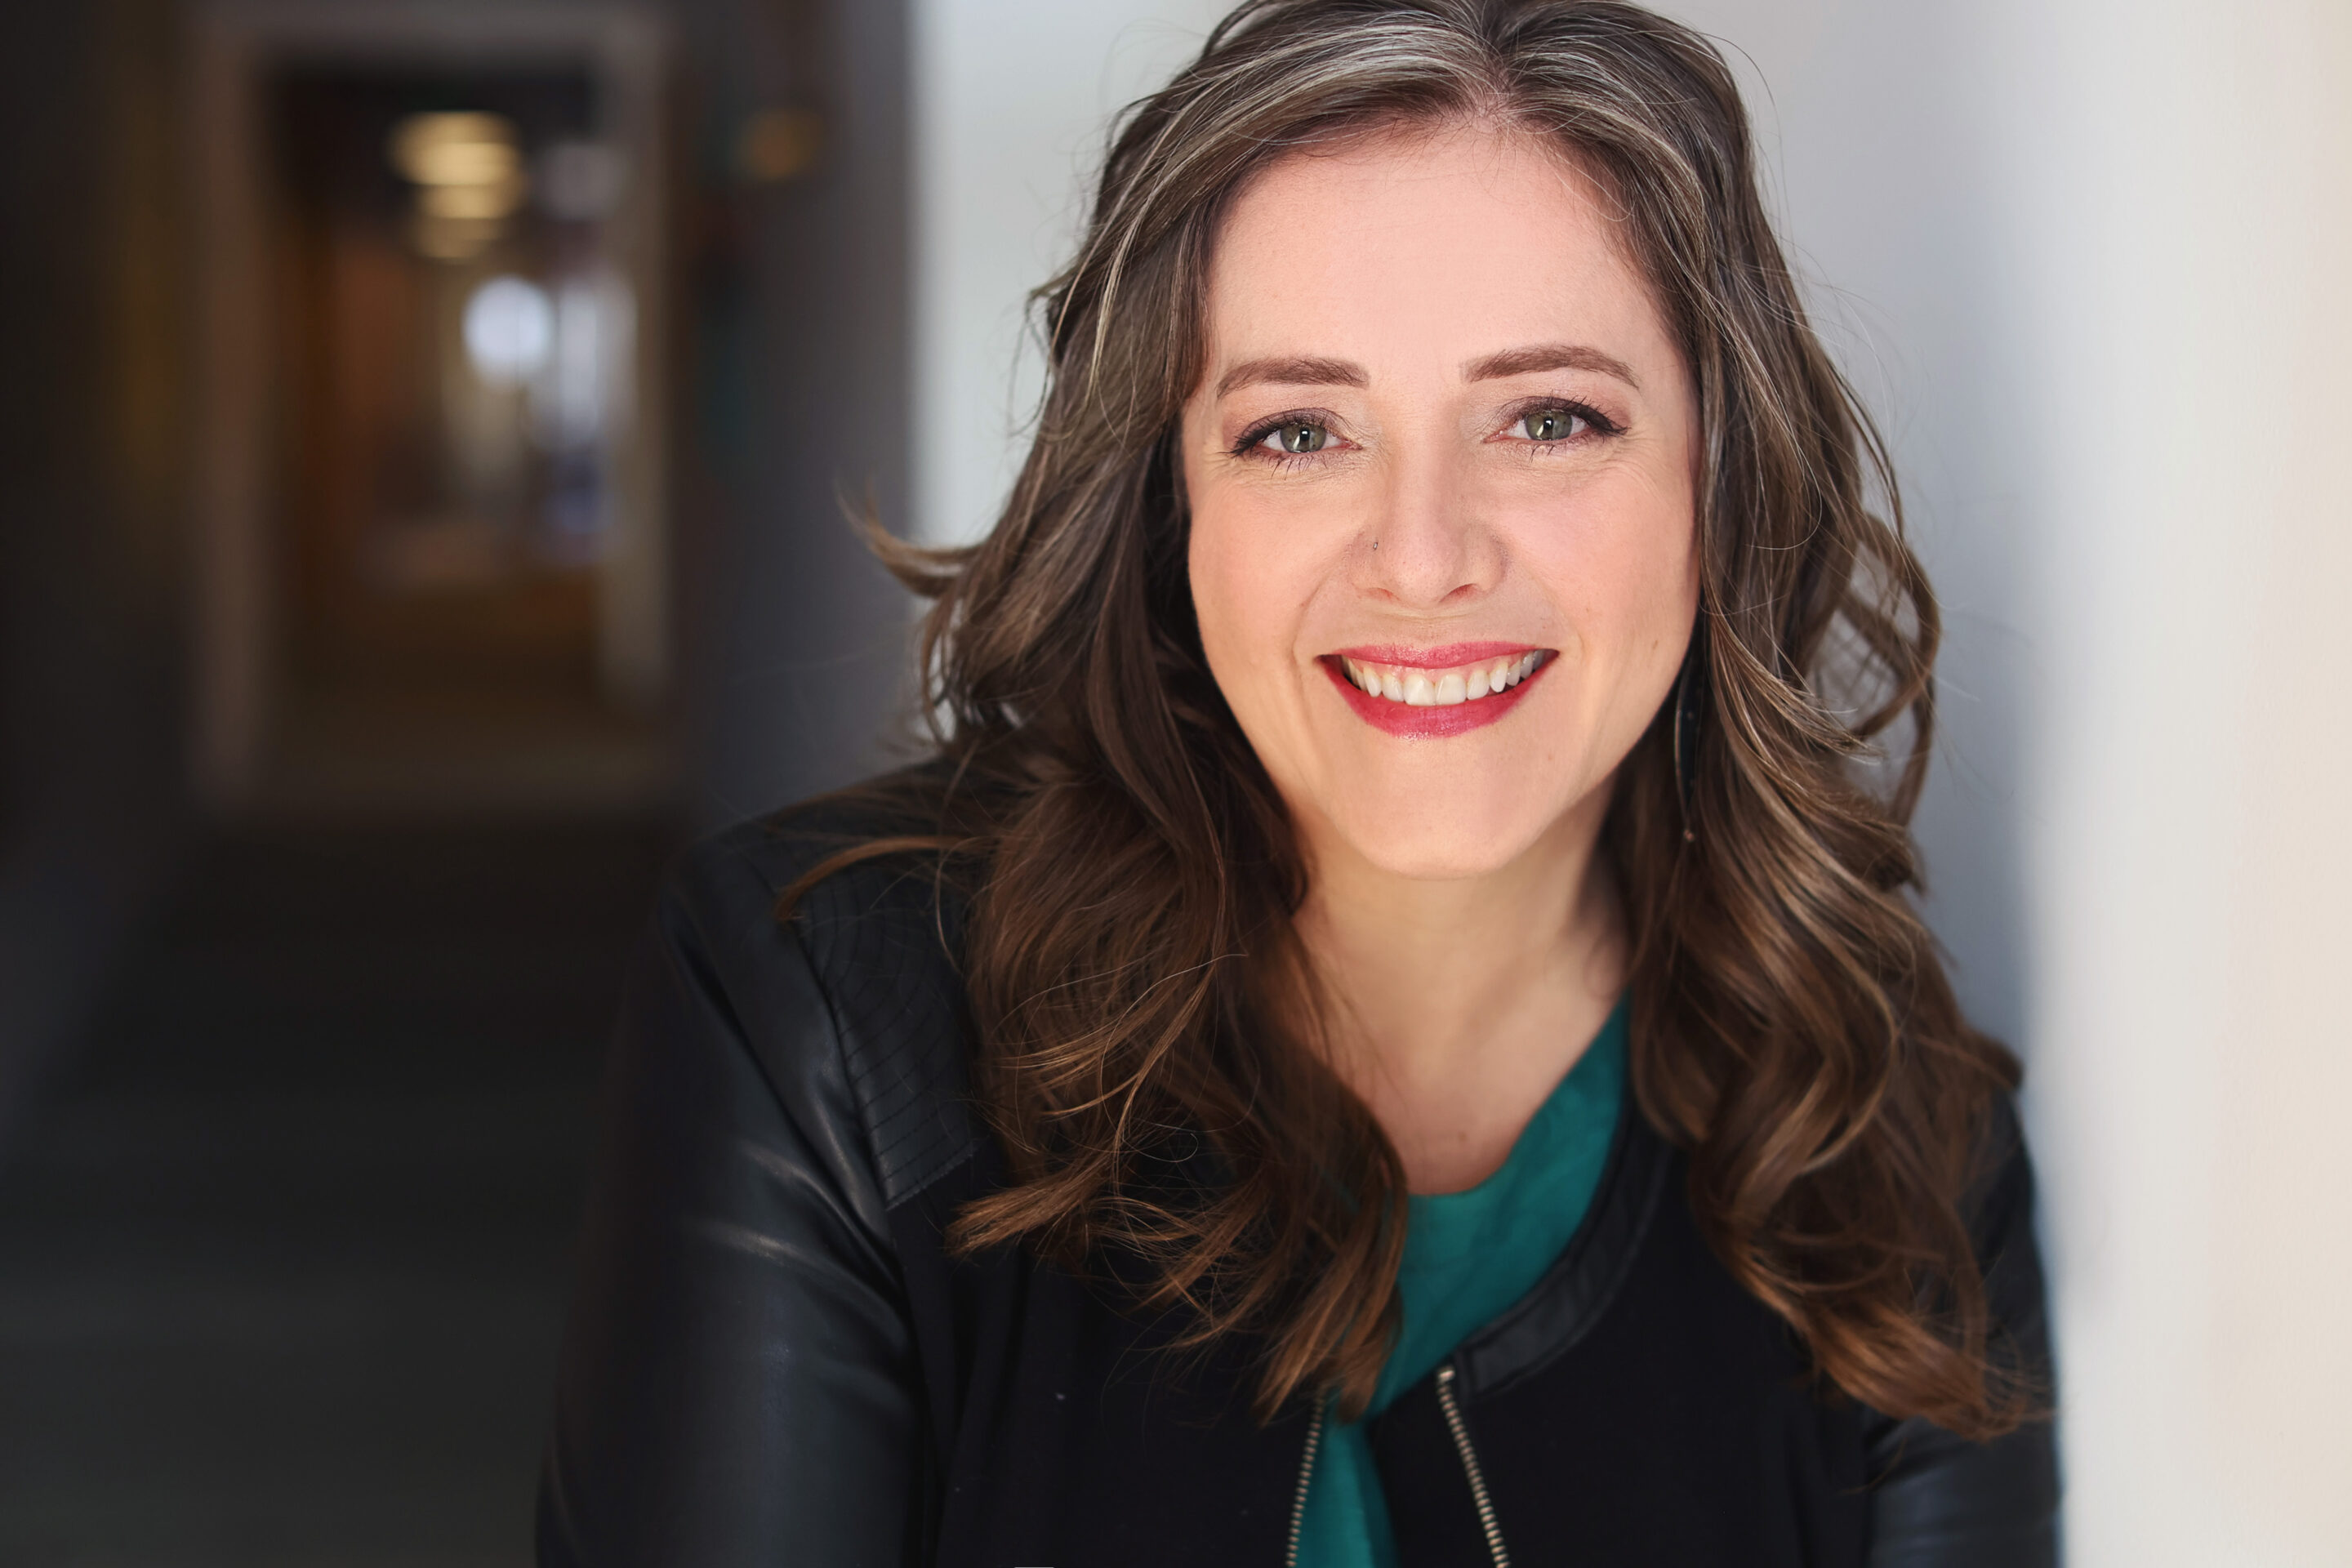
(456,149)
(469,201)
(469,170)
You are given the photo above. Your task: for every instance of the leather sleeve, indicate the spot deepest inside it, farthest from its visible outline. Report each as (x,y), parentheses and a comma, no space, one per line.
(736,1385)
(1942,1502)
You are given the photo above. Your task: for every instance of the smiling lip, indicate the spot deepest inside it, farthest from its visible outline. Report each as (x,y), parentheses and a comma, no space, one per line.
(1446,657)
(1435,714)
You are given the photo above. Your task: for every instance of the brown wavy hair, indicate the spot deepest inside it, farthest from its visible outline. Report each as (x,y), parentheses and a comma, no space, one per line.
(1147,1051)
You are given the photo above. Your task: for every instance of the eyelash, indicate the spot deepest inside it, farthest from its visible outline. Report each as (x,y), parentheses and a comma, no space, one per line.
(1596,423)
(1247,446)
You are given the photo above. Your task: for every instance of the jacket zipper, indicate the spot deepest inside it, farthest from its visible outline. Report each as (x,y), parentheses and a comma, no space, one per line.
(1305,1478)
(1452,1406)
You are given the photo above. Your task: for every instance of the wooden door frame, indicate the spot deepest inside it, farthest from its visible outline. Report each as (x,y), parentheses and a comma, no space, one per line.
(235,613)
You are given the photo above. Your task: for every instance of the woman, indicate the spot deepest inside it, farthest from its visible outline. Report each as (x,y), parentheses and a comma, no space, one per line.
(1392,1031)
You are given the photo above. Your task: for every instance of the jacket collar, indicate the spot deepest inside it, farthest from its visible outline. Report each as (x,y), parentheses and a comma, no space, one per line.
(1549,1320)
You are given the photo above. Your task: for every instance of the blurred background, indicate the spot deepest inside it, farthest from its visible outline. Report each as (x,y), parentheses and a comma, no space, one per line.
(424,435)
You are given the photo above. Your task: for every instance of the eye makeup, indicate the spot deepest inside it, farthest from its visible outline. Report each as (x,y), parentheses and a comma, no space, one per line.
(1252,444)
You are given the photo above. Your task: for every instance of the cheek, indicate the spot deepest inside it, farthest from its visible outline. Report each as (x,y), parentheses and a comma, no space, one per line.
(1237,622)
(1649,590)
(1626,573)
(1247,596)
(1220,590)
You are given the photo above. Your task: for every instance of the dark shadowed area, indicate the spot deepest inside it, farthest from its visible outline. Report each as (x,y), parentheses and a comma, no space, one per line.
(423,428)
(286,1242)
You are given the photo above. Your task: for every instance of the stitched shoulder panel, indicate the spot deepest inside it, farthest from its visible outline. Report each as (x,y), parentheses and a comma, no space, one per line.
(886,946)
(886,942)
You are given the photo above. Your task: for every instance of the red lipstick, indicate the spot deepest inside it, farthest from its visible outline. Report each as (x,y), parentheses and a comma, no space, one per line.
(1446,657)
(1435,722)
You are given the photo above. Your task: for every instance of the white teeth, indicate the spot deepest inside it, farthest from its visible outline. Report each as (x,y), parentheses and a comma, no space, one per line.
(1418,688)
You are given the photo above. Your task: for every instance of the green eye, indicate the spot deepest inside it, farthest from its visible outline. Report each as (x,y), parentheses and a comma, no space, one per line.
(1549,425)
(1299,438)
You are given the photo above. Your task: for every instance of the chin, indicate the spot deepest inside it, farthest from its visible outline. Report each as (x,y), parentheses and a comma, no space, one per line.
(1438,840)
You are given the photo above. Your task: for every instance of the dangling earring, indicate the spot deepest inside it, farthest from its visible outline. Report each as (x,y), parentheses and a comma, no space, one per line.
(1687,716)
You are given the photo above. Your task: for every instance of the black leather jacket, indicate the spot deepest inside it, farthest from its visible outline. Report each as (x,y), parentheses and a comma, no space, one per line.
(772,1360)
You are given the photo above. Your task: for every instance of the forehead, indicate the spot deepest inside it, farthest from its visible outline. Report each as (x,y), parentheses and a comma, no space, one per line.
(1450,244)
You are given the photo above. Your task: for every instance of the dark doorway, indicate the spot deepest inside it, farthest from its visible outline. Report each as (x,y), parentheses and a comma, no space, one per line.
(447,386)
(457,354)
(445,582)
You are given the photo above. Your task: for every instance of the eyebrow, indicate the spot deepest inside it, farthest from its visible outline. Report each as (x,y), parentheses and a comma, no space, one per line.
(1293,373)
(1549,356)
(1302,370)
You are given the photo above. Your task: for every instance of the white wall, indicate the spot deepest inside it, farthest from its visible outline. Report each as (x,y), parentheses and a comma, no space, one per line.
(2188,829)
(2088,260)
(1013,101)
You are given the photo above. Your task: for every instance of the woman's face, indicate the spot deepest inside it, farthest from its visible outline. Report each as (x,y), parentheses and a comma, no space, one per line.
(1441,467)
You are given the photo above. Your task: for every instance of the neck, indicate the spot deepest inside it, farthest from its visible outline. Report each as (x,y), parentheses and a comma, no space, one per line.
(1456,1005)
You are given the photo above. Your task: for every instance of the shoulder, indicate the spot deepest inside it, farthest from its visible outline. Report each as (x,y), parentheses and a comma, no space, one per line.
(861,983)
(761,856)
(1938,1499)
(1999,1209)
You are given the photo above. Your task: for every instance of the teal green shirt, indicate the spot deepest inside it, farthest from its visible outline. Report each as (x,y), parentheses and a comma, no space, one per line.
(1468,1256)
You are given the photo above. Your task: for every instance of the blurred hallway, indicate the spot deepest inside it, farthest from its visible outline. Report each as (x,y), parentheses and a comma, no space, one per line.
(286,1248)
(421,445)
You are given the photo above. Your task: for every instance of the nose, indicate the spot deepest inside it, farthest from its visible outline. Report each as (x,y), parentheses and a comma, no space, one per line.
(1425,547)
